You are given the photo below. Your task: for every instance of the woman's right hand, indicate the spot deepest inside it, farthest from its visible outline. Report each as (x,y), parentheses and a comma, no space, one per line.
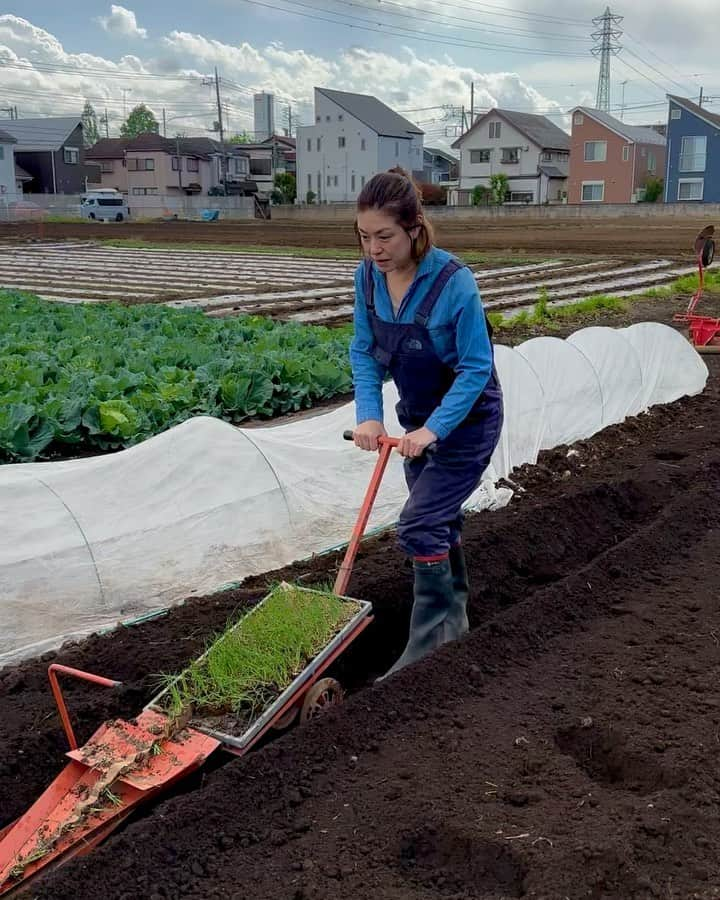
(366,435)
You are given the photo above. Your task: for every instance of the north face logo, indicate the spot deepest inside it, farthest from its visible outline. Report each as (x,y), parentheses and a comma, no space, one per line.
(413,344)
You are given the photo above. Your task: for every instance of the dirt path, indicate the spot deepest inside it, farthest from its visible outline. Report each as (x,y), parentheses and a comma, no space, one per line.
(566,748)
(629,236)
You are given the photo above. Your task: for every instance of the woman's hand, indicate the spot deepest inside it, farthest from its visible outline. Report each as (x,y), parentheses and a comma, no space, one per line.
(366,435)
(415,442)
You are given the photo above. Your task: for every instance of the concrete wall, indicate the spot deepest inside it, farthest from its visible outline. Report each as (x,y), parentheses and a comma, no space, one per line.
(345,212)
(145,207)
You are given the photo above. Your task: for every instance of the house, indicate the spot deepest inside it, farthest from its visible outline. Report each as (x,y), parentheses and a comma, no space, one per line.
(439,166)
(609,160)
(354,137)
(268,158)
(151,165)
(51,152)
(8,176)
(530,149)
(693,153)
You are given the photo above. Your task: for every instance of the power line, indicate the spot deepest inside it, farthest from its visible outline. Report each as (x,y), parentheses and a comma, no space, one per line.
(410,33)
(657,71)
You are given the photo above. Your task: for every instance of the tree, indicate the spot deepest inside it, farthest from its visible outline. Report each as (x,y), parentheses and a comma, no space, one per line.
(481,195)
(140,121)
(499,188)
(243,137)
(90,125)
(653,189)
(285,188)
(310,197)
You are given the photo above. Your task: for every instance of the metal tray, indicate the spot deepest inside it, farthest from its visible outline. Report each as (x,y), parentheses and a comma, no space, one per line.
(295,687)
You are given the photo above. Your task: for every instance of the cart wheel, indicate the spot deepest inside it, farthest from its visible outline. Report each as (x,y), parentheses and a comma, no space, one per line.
(286,719)
(323,694)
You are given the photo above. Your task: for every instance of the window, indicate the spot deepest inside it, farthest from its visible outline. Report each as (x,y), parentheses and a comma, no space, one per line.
(110,201)
(193,165)
(176,164)
(362,143)
(260,167)
(327,118)
(362,181)
(547,156)
(480,156)
(341,142)
(319,182)
(521,196)
(510,155)
(318,144)
(652,164)
(495,129)
(71,156)
(107,166)
(2,152)
(626,153)
(335,181)
(578,119)
(309,181)
(692,154)
(317,118)
(328,181)
(309,145)
(144,192)
(352,182)
(675,113)
(595,151)
(340,117)
(397,148)
(690,188)
(141,165)
(149,165)
(593,191)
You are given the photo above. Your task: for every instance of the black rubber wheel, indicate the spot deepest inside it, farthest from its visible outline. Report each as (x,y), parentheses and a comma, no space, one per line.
(119,217)
(92,215)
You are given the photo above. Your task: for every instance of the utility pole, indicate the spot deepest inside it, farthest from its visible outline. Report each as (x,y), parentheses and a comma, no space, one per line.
(223,162)
(125,92)
(472,103)
(107,124)
(164,124)
(607,46)
(179,159)
(622,102)
(700,98)
(289,118)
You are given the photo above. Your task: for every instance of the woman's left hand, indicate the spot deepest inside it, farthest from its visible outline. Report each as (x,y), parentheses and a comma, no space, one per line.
(415,442)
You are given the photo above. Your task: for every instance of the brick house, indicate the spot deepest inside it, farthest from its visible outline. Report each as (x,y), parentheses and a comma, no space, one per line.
(609,160)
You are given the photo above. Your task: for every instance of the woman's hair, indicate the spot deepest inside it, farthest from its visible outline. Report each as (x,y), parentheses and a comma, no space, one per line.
(396,194)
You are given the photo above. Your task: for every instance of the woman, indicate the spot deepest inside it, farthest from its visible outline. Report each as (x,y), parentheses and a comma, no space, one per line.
(418,317)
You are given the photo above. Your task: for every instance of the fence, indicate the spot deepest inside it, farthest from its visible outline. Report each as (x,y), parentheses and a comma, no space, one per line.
(32,207)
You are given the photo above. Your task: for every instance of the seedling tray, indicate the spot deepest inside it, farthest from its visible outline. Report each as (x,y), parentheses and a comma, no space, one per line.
(255,727)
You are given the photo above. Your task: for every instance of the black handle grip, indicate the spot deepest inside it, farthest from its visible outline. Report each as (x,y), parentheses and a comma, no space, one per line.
(348,435)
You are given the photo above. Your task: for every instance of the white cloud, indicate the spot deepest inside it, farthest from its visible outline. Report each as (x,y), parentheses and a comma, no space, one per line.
(122,23)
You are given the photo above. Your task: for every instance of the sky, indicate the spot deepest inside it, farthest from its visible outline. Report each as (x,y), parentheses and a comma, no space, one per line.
(418,56)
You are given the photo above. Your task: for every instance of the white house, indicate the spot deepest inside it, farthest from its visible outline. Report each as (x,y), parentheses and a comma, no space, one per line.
(354,137)
(530,149)
(10,184)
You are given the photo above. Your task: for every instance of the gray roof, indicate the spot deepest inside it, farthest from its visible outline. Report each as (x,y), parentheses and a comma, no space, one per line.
(634,134)
(6,138)
(41,134)
(437,151)
(373,113)
(552,172)
(700,111)
(538,129)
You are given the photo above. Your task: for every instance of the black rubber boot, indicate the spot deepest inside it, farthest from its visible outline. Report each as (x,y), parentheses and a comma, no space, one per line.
(434,599)
(461,589)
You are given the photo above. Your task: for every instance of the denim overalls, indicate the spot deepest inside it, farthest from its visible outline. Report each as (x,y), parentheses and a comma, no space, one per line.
(439,483)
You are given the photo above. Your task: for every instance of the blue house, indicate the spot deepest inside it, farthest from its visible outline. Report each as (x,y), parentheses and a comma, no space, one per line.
(693,153)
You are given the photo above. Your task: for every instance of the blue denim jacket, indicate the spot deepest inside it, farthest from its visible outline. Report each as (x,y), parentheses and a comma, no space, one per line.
(465,347)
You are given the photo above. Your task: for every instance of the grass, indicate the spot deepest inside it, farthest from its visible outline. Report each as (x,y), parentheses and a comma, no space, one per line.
(544,314)
(251,663)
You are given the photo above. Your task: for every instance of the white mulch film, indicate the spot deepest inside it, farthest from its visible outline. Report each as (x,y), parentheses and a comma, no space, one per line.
(90,542)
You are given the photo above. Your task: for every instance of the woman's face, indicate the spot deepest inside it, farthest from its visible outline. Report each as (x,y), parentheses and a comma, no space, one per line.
(385,241)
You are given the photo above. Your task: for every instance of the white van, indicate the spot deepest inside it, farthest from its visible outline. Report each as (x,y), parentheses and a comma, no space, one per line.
(104,205)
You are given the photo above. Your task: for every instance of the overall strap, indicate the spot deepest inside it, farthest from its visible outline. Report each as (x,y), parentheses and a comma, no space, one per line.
(444,275)
(369,284)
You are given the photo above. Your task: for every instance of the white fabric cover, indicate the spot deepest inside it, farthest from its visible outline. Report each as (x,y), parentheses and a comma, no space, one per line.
(573,399)
(620,385)
(92,541)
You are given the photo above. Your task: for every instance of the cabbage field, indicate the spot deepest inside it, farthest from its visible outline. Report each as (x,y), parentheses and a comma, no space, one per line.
(80,378)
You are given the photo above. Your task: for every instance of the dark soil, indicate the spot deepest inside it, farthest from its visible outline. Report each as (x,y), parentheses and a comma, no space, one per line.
(567,747)
(628,236)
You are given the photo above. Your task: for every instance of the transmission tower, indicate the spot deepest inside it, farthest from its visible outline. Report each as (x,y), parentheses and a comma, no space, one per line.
(607,37)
